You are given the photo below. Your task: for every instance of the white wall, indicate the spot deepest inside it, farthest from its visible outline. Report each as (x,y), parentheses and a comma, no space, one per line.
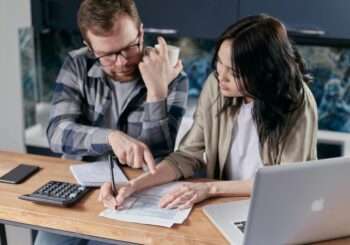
(14,14)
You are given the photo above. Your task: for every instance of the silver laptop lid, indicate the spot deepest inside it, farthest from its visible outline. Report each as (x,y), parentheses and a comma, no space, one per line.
(300,203)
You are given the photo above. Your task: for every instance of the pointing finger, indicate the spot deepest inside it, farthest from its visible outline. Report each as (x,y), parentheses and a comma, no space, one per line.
(150,161)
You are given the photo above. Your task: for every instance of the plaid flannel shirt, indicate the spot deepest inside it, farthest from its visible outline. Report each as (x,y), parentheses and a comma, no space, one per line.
(81,98)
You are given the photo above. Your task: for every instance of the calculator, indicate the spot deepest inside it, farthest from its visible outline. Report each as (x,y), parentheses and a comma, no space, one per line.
(57,193)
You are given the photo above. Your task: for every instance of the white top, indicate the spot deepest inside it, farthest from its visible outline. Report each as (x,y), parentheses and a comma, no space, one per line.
(244,155)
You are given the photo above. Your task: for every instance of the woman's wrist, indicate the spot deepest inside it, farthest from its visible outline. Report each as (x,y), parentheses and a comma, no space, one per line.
(134,183)
(141,182)
(231,188)
(212,189)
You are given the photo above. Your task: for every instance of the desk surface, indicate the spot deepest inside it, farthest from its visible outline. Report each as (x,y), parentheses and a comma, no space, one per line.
(82,219)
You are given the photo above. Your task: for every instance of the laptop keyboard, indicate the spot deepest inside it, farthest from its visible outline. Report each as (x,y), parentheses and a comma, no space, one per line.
(240,225)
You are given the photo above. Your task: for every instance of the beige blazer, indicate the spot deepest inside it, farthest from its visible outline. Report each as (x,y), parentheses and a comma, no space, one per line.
(207,143)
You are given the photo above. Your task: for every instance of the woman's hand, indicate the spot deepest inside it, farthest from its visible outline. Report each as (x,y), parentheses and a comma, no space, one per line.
(109,201)
(186,195)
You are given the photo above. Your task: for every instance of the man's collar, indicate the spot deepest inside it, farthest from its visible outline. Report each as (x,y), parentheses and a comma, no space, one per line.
(96,71)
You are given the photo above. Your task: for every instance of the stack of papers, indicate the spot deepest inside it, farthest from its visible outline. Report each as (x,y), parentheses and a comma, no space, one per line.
(142,207)
(97,173)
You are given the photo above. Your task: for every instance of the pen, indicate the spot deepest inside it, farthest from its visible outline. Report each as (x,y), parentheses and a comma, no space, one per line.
(111,165)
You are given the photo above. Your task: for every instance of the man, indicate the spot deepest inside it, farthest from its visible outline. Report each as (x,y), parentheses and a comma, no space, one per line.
(109,96)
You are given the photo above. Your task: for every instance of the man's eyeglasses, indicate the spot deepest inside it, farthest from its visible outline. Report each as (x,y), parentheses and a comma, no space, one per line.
(127,52)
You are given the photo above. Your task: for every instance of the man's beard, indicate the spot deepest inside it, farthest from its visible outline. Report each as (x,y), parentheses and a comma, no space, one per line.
(127,77)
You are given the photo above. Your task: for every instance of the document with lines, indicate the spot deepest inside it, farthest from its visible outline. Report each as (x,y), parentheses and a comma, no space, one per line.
(142,207)
(96,173)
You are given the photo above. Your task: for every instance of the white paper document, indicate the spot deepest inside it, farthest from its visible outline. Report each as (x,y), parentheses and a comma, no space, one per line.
(142,207)
(96,173)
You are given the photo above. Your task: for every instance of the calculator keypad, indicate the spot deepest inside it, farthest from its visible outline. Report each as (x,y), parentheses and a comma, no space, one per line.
(57,193)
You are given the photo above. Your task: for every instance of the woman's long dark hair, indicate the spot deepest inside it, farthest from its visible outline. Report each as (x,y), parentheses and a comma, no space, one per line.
(271,71)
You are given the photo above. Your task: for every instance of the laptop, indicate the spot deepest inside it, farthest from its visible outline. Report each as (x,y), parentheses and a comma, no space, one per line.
(291,204)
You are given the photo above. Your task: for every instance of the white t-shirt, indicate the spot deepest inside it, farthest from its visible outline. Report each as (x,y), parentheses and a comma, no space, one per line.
(244,155)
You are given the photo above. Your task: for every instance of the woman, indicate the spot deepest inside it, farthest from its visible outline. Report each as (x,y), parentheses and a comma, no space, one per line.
(255,110)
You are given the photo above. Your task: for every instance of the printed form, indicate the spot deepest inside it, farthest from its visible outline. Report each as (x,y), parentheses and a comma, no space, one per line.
(142,207)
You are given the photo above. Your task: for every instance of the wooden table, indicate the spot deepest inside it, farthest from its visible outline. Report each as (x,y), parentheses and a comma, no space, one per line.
(82,219)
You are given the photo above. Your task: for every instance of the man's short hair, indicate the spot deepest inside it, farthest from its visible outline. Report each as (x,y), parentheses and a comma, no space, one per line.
(99,16)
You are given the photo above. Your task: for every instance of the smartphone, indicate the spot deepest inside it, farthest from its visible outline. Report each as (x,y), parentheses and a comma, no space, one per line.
(19,173)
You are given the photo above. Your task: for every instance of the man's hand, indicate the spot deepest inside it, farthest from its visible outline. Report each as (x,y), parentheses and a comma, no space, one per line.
(109,201)
(157,72)
(131,151)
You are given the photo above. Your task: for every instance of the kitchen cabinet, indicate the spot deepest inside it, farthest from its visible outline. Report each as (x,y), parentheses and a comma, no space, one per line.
(209,18)
(191,18)
(55,14)
(62,14)
(323,18)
